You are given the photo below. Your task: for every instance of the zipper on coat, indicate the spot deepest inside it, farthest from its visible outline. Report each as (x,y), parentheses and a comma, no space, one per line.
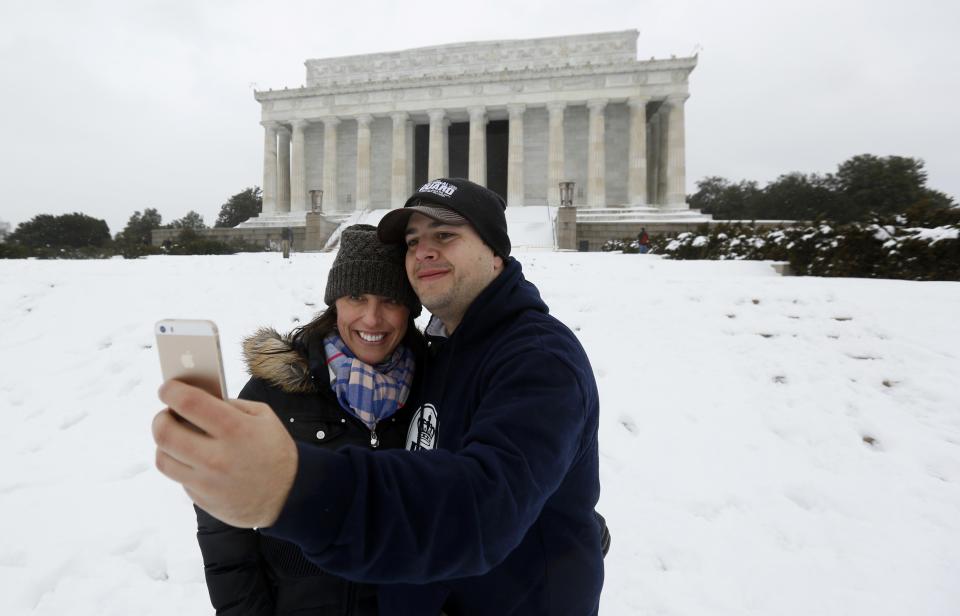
(351,599)
(374,439)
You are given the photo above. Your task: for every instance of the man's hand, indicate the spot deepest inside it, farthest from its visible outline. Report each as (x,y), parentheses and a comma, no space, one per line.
(240,469)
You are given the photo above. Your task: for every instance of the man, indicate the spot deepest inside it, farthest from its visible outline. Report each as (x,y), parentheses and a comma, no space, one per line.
(492,511)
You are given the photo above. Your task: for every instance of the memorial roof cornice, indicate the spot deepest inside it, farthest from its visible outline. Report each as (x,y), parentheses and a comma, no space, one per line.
(685,64)
(621,40)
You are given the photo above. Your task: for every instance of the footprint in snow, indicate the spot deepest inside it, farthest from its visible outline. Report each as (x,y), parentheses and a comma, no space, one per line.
(16,559)
(11,487)
(662,564)
(132,471)
(73,420)
(130,385)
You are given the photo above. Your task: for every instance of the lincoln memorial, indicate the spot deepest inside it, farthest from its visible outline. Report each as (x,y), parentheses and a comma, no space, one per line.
(519,116)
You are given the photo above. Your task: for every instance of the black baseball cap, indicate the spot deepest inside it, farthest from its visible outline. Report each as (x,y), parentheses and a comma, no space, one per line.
(453,201)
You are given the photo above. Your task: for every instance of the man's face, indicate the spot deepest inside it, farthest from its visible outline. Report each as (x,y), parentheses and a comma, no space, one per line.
(448,266)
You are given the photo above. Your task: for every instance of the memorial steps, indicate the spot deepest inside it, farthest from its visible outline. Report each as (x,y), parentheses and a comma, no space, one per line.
(640,214)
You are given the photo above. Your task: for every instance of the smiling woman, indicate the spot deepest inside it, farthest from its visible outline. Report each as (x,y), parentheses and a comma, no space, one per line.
(371,325)
(342,379)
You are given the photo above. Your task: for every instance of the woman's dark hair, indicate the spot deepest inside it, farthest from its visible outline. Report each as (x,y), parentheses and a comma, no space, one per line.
(326,322)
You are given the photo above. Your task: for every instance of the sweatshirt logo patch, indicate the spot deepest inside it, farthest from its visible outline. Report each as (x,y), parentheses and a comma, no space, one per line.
(422,433)
(439,188)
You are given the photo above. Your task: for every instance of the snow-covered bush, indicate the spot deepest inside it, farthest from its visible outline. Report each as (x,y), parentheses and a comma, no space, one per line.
(893,248)
(626,246)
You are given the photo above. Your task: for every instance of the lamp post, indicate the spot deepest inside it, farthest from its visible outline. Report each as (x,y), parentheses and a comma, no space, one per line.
(565,231)
(566,194)
(316,200)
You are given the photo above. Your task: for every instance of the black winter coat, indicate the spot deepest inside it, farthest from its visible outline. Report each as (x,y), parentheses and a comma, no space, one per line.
(249,573)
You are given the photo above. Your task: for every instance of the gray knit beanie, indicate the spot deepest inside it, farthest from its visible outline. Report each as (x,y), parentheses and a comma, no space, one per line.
(366,265)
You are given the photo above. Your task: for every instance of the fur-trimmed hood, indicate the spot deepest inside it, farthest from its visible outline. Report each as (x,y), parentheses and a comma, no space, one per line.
(271,357)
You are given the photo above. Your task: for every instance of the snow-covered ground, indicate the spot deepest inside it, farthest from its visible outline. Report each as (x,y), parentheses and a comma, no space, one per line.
(769,445)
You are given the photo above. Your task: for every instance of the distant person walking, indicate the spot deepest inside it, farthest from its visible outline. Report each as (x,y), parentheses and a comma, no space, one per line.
(286,239)
(643,240)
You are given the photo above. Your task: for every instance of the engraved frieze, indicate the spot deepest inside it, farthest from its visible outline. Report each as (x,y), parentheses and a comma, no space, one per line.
(658,78)
(577,82)
(496,88)
(619,80)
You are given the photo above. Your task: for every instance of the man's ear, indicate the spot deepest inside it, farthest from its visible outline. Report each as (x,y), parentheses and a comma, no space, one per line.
(497,263)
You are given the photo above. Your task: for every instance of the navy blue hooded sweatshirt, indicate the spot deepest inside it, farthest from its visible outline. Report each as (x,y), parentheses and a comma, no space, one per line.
(498,518)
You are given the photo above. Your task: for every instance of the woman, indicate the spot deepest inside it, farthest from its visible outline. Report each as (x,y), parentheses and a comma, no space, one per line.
(367,330)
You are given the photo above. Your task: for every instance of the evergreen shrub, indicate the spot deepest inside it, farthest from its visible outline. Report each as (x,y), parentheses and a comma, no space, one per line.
(884,248)
(190,242)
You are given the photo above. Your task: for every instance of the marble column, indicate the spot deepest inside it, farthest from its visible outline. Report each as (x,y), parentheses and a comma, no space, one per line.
(555,153)
(436,156)
(298,168)
(596,155)
(676,154)
(269,190)
(363,161)
(330,164)
(515,155)
(411,154)
(283,169)
(477,168)
(446,147)
(399,189)
(657,152)
(637,156)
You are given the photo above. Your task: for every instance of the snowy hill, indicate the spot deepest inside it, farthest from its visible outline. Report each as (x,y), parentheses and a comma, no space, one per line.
(768,445)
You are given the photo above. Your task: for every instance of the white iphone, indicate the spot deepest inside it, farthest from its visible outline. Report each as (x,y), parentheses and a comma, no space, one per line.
(190,352)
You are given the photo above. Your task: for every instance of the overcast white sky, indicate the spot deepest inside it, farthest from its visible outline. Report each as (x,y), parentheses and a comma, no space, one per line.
(113,106)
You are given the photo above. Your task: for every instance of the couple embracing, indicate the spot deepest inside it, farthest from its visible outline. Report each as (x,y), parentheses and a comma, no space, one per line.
(375,470)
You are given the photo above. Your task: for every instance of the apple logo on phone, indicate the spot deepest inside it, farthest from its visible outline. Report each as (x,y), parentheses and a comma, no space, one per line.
(187,360)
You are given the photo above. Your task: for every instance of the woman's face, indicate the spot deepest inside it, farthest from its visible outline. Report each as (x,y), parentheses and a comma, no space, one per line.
(371,325)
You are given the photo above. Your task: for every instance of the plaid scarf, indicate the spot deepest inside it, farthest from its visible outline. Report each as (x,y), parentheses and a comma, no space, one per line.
(370,393)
